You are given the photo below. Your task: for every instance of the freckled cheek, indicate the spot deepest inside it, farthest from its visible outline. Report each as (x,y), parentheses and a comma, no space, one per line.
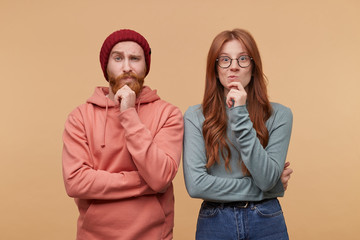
(223,80)
(222,75)
(246,79)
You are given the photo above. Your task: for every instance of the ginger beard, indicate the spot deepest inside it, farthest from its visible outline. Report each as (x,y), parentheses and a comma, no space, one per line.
(135,83)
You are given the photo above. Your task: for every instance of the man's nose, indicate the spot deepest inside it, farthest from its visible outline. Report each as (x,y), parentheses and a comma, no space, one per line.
(126,66)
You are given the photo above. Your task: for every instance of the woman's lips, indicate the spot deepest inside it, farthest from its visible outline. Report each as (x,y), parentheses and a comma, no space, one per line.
(233,79)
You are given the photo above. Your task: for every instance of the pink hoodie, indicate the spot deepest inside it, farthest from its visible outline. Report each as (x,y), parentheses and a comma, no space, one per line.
(119,167)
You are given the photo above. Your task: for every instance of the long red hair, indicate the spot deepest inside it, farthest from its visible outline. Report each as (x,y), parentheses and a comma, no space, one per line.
(213,105)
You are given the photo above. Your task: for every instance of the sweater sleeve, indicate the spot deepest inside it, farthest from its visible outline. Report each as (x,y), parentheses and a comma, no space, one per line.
(156,157)
(199,183)
(83,181)
(264,164)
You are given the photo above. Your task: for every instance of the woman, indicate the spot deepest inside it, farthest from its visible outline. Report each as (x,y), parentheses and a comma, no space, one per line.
(235,146)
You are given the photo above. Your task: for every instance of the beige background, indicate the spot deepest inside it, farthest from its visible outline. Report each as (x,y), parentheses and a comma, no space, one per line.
(49,65)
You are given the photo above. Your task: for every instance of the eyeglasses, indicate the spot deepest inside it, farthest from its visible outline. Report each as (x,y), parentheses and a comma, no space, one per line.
(225,62)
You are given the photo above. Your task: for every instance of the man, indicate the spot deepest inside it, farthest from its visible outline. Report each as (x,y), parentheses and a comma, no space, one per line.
(122,149)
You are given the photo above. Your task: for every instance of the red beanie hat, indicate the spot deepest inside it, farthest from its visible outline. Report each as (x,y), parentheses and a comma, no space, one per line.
(121,36)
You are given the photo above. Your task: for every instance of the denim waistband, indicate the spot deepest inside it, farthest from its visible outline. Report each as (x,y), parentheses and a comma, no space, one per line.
(238,204)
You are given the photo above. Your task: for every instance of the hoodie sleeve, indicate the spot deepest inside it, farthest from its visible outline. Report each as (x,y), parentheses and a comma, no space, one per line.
(157,157)
(83,181)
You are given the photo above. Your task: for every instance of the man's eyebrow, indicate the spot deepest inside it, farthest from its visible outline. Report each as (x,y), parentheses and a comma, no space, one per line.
(135,55)
(116,52)
(122,53)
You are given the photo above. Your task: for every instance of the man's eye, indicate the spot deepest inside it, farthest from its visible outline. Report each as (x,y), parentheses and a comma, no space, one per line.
(135,59)
(117,58)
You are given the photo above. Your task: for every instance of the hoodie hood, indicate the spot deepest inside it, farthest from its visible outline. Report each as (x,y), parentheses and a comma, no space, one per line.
(100,99)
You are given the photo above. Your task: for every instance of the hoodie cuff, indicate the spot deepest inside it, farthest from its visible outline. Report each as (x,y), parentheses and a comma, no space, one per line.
(130,120)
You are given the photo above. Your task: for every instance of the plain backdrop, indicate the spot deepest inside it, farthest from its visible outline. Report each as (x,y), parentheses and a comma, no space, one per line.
(49,64)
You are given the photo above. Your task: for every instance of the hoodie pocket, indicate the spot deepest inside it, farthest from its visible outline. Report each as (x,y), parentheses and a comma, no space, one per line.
(133,218)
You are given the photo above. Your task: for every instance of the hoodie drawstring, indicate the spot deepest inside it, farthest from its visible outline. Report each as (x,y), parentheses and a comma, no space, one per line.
(138,105)
(106,113)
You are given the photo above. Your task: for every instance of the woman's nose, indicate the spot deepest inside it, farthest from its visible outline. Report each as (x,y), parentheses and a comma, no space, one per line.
(234,65)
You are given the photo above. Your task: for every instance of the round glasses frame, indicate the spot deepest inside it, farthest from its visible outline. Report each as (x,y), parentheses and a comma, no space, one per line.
(237,59)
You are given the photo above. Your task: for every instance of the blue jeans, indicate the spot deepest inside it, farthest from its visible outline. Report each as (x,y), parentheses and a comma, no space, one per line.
(263,221)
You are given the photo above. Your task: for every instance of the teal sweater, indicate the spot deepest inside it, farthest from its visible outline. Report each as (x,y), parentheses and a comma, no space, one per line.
(264,164)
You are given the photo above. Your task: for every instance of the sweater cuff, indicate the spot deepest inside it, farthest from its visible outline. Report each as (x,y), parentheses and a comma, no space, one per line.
(239,110)
(238,115)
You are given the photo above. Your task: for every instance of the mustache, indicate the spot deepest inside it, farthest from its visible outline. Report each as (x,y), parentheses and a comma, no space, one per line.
(127,75)
(119,81)
(115,81)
